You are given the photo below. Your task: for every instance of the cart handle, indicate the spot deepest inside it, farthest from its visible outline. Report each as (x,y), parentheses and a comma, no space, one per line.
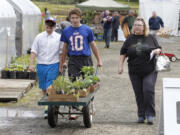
(97,70)
(63,71)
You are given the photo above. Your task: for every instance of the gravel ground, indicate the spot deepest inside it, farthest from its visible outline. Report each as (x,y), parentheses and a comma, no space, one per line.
(115,103)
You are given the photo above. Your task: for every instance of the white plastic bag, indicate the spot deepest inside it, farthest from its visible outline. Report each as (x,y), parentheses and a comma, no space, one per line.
(162,63)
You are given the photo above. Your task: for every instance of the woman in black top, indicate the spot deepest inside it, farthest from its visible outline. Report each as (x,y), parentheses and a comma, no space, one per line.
(140,48)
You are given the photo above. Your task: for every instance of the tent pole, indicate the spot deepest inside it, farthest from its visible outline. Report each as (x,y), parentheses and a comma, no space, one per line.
(22,42)
(7,50)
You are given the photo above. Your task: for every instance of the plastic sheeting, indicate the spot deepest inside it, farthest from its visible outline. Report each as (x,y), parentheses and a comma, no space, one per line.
(7,29)
(27,25)
(102,5)
(168,10)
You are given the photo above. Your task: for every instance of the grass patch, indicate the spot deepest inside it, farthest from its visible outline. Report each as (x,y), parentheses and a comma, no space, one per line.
(58,11)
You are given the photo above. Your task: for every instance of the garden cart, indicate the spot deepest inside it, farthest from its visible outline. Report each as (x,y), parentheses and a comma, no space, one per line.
(82,107)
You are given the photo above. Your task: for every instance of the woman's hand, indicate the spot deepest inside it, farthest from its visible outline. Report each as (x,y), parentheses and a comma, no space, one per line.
(157,51)
(120,70)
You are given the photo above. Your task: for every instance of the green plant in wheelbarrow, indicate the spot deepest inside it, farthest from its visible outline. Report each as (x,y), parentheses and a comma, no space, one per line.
(63,86)
(87,70)
(94,79)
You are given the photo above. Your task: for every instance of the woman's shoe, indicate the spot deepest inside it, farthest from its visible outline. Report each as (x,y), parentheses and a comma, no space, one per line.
(141,120)
(150,120)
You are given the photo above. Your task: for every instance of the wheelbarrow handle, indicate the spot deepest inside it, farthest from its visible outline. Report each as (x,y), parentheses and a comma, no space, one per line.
(97,70)
(63,71)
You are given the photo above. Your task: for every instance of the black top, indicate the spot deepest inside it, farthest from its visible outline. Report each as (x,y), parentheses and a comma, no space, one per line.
(115,22)
(107,24)
(138,48)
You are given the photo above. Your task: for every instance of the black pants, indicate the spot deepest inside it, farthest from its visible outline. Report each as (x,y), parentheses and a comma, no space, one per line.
(114,35)
(144,89)
(76,63)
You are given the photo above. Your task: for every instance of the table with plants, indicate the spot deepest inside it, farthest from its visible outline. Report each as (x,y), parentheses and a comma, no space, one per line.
(18,69)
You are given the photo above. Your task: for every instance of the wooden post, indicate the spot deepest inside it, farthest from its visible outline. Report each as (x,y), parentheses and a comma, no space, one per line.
(7,50)
(22,42)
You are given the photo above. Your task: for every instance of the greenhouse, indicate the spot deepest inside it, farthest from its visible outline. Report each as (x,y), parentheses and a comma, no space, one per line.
(27,24)
(7,33)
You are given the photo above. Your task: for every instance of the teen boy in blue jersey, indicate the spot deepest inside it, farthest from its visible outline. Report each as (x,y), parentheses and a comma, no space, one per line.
(78,41)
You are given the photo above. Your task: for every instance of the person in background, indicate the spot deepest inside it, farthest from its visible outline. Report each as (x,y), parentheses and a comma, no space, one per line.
(129,20)
(47,48)
(65,23)
(155,23)
(141,48)
(115,26)
(47,13)
(107,25)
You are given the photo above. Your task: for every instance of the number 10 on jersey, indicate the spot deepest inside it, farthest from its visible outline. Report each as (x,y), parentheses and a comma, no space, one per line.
(76,42)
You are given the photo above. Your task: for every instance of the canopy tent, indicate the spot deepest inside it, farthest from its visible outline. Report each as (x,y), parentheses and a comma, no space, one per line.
(102,5)
(27,25)
(7,32)
(168,10)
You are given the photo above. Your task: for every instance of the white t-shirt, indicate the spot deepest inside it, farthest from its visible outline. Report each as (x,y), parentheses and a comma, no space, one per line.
(47,48)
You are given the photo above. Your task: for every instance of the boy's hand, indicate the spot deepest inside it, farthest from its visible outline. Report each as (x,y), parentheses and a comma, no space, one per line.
(31,68)
(99,64)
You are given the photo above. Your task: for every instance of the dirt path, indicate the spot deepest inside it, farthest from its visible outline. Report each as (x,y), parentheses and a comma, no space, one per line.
(115,103)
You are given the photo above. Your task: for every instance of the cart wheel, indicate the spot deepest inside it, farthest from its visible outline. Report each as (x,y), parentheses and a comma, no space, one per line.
(53,116)
(173,59)
(87,116)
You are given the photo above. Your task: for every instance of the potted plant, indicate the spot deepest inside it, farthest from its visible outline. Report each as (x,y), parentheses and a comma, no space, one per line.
(87,70)
(62,90)
(5,73)
(12,73)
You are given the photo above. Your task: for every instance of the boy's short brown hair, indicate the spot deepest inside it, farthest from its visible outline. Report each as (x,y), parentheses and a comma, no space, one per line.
(76,11)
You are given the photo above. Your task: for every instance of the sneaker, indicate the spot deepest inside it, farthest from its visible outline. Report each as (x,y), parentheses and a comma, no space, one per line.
(141,120)
(73,117)
(46,112)
(150,120)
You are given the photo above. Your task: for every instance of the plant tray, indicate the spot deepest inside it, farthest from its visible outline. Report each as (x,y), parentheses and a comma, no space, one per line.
(52,96)
(93,87)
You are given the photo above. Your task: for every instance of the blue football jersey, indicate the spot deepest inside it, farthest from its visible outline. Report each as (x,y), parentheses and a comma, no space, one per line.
(78,40)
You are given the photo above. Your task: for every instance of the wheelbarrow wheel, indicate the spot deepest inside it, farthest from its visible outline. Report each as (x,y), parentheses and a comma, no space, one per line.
(173,59)
(53,116)
(87,116)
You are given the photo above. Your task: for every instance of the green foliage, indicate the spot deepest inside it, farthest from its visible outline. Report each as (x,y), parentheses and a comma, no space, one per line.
(87,70)
(20,63)
(61,83)
(6,69)
(88,17)
(66,86)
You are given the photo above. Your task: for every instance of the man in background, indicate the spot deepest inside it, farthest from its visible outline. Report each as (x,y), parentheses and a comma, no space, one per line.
(155,23)
(129,20)
(107,25)
(115,26)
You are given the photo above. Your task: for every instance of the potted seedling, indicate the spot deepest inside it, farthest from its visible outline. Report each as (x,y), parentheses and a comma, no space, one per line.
(12,73)
(87,70)
(61,91)
(5,73)
(20,72)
